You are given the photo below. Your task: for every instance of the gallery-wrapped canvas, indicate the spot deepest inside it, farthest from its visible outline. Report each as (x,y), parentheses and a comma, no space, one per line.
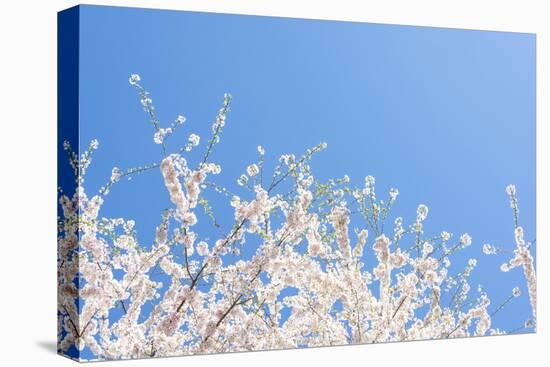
(234,183)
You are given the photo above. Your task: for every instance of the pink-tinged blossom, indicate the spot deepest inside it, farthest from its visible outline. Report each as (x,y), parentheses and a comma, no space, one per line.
(339,218)
(174,186)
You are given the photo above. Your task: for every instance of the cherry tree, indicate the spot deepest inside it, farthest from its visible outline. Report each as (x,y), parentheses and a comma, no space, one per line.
(375,283)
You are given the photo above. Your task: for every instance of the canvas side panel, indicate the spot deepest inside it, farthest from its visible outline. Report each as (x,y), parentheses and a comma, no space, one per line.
(67,160)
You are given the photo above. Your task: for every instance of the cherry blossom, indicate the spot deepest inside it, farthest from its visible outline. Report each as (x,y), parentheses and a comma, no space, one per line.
(312,275)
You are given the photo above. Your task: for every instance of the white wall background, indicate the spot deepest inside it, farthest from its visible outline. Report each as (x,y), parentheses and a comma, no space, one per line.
(28,179)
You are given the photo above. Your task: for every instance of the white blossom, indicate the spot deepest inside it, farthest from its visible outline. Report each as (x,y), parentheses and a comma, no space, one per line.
(180,119)
(252,170)
(134,79)
(194,139)
(94,144)
(243,180)
(489,249)
(161,134)
(421,212)
(445,236)
(466,239)
(202,248)
(116,173)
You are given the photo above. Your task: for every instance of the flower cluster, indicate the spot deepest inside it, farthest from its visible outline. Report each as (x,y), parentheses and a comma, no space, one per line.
(303,282)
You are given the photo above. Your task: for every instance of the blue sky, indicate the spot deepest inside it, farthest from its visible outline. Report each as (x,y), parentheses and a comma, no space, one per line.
(445,115)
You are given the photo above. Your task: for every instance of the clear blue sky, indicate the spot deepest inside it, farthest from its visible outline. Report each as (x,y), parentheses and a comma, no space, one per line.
(445,115)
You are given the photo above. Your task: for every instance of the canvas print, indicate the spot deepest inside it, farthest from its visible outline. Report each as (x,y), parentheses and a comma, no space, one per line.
(232,183)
